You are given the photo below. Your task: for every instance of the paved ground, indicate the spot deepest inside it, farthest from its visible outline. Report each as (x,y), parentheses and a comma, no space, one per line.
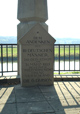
(62,98)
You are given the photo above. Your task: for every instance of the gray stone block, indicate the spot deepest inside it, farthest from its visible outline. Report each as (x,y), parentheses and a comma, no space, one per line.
(24,27)
(36,57)
(32,10)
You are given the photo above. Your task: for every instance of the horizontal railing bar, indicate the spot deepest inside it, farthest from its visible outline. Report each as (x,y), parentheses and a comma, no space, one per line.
(8,44)
(54,44)
(67,70)
(66,44)
(9,71)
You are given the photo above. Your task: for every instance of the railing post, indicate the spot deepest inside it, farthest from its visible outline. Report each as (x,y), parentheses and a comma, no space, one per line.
(69,57)
(1,60)
(64,57)
(79,56)
(74,57)
(59,58)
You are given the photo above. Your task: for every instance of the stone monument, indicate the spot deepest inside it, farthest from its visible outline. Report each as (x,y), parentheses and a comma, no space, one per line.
(35,44)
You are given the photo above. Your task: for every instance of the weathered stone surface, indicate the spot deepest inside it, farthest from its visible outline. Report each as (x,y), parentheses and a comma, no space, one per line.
(7,95)
(36,57)
(53,106)
(8,109)
(28,94)
(32,10)
(34,108)
(24,27)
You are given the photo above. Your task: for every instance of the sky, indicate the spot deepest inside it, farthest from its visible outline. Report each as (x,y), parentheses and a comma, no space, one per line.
(63,18)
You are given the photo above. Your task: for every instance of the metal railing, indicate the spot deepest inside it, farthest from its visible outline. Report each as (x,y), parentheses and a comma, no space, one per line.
(8,56)
(66,58)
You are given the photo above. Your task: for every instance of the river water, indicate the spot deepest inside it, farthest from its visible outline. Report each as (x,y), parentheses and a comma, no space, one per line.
(73,66)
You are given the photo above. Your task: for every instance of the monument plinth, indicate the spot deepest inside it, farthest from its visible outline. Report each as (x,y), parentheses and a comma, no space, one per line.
(36,52)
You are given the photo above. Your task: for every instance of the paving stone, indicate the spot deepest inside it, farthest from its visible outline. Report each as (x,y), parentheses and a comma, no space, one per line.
(39,100)
(47,88)
(61,112)
(72,111)
(28,89)
(7,95)
(64,92)
(68,102)
(42,113)
(34,107)
(51,95)
(78,100)
(8,109)
(56,104)
(28,96)
(50,113)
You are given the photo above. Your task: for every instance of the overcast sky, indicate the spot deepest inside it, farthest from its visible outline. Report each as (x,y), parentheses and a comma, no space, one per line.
(64,18)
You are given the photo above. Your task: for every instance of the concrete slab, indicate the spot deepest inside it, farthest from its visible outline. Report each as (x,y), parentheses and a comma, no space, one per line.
(28,96)
(67,90)
(34,107)
(28,89)
(51,95)
(7,95)
(47,88)
(8,109)
(56,105)
(69,111)
(42,113)
(62,98)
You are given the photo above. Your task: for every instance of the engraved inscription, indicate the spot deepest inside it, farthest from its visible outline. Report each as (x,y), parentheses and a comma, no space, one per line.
(37,42)
(37,80)
(37,62)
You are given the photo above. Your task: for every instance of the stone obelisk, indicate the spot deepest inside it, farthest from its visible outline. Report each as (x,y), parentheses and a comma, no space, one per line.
(30,12)
(35,44)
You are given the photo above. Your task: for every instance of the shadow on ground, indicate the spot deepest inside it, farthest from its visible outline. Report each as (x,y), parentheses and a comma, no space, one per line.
(62,98)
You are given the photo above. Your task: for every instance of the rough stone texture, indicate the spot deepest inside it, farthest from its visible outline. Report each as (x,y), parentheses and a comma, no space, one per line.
(36,57)
(32,10)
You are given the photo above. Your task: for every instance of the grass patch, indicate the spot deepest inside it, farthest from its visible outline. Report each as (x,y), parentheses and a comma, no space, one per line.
(11,51)
(56,50)
(73,72)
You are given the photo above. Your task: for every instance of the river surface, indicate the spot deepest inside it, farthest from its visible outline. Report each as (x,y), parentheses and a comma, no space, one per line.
(73,66)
